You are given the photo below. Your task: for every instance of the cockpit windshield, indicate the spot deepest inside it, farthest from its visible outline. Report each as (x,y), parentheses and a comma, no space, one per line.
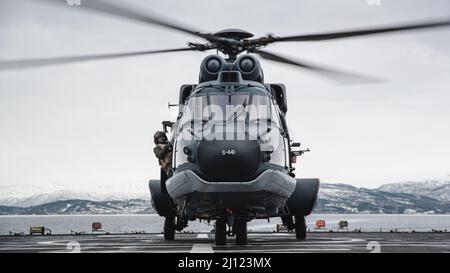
(232,116)
(219,107)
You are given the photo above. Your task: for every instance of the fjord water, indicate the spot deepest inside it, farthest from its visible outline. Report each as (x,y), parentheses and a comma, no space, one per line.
(64,224)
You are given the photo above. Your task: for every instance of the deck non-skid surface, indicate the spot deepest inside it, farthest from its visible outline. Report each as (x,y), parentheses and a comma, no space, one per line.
(257,242)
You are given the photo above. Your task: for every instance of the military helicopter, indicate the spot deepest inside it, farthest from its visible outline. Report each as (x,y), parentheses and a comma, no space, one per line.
(232,152)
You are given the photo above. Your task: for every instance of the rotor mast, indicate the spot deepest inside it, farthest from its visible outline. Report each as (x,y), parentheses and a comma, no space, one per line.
(232,42)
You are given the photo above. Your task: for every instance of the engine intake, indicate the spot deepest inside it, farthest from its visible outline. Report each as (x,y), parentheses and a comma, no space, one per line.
(250,68)
(210,68)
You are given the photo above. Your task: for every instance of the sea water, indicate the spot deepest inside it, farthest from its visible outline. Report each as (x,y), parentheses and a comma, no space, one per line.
(151,223)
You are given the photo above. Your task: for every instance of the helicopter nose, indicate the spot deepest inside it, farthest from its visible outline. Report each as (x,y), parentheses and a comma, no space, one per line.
(229,160)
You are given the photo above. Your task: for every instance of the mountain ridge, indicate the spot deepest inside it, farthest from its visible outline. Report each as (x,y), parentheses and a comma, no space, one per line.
(333,198)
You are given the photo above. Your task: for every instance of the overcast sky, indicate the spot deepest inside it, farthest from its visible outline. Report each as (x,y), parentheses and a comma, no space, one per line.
(92,123)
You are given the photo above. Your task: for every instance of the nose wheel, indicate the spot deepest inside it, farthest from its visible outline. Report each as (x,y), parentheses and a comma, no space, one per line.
(221,231)
(240,229)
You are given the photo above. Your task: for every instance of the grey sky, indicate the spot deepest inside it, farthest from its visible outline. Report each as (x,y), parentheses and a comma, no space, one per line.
(92,123)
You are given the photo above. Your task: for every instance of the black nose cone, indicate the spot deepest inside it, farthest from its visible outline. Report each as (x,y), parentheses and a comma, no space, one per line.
(229,160)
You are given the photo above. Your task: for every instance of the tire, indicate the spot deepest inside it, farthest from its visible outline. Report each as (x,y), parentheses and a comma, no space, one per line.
(221,231)
(300,227)
(169,228)
(241,231)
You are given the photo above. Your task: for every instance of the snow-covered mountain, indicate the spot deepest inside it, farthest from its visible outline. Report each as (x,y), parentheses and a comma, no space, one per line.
(333,198)
(438,188)
(28,196)
(342,198)
(431,196)
(132,206)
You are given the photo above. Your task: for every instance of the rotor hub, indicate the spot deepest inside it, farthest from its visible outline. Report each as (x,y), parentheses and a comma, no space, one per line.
(234,33)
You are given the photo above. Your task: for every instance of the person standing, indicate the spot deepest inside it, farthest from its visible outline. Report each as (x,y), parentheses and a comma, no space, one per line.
(163,151)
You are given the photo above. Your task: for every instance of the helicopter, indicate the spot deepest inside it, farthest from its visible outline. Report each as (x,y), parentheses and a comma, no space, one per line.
(233,154)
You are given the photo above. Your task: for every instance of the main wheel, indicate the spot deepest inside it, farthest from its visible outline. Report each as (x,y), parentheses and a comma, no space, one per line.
(240,226)
(169,228)
(300,227)
(221,231)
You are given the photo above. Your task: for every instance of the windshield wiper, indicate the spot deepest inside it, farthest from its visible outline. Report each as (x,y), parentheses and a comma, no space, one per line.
(239,111)
(207,121)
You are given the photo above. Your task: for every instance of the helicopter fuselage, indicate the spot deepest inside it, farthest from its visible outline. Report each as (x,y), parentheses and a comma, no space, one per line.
(232,154)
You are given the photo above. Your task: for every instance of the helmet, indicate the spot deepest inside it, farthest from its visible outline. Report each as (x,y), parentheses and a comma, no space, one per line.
(158,135)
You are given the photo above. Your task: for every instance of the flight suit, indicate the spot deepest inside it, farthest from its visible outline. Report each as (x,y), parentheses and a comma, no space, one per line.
(164,154)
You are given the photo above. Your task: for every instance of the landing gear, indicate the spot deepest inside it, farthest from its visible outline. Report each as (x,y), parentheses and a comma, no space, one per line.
(288,222)
(221,231)
(240,229)
(169,228)
(300,227)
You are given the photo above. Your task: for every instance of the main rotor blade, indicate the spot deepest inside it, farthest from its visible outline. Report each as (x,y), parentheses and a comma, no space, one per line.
(360,32)
(28,63)
(339,76)
(112,9)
